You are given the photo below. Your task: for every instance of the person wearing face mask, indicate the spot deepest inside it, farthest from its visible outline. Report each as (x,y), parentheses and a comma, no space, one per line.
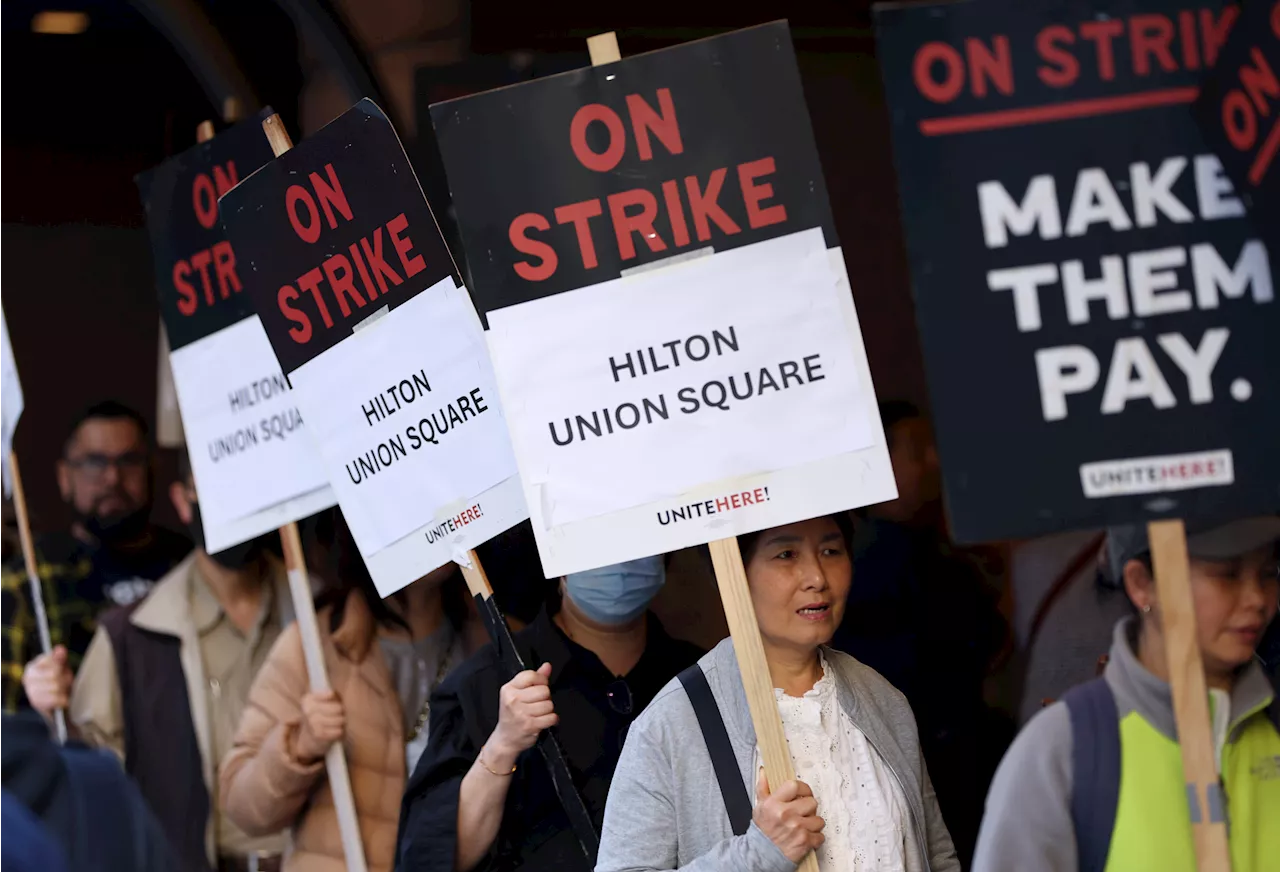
(165,681)
(110,556)
(861,800)
(481,797)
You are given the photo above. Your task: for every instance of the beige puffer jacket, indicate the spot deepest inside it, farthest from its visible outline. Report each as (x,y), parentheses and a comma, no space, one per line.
(264,787)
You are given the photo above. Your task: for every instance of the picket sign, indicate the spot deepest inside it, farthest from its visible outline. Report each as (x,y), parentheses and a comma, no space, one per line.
(499,632)
(731,576)
(169,431)
(1190,695)
(33,579)
(335,759)
(1235,106)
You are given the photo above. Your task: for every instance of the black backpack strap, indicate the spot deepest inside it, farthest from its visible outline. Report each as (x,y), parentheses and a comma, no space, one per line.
(1095,770)
(737,802)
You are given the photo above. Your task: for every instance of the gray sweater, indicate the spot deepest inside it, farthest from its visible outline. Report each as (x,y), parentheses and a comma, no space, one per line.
(1028,823)
(665,810)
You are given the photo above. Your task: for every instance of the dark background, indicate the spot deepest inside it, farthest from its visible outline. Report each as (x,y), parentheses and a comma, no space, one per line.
(87,112)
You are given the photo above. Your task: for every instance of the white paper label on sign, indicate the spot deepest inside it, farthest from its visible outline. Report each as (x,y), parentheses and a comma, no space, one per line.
(639,381)
(446,536)
(715,509)
(1148,475)
(248,448)
(405,413)
(10,402)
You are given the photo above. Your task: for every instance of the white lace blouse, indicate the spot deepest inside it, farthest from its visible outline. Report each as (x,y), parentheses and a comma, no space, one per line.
(858,796)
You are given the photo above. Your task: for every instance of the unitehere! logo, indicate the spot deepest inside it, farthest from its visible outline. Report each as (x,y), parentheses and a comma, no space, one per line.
(1145,475)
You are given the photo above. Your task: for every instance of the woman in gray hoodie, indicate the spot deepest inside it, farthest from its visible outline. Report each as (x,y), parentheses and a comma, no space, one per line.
(862,799)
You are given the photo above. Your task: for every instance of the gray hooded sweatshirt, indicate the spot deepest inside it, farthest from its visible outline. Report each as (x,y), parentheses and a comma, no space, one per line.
(665,810)
(1028,824)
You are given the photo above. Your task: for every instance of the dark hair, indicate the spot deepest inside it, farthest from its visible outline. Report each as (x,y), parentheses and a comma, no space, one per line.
(896,411)
(354,575)
(515,570)
(747,542)
(107,410)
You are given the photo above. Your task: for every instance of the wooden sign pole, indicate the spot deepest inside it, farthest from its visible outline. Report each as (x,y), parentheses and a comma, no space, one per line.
(335,759)
(1190,695)
(731,576)
(33,579)
(499,632)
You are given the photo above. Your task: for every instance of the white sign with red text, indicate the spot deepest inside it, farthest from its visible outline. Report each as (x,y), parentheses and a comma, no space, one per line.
(406,416)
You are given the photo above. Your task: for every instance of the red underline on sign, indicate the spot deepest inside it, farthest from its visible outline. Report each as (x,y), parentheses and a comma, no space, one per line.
(1056,111)
(1262,160)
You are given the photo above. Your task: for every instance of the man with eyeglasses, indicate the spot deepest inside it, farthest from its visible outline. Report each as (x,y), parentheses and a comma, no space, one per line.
(111,555)
(165,683)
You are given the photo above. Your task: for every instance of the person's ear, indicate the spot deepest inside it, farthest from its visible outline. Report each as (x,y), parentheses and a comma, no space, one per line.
(181,504)
(1139,585)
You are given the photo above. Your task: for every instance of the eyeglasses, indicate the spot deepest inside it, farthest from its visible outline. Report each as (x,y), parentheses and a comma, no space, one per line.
(95,466)
(619,697)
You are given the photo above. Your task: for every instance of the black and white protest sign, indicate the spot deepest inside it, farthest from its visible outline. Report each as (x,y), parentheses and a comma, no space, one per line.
(1239,109)
(1097,312)
(10,399)
(670,320)
(255,467)
(707,145)
(382,345)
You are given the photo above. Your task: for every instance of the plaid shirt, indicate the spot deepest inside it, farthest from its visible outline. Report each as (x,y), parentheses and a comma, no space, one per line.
(79,582)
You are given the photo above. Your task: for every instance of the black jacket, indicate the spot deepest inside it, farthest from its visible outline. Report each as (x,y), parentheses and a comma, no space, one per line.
(85,801)
(595,709)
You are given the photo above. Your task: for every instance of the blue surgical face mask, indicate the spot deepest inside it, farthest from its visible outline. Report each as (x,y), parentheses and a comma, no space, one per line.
(619,593)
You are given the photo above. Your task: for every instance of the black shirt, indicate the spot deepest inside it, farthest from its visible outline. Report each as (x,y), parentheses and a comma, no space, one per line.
(595,706)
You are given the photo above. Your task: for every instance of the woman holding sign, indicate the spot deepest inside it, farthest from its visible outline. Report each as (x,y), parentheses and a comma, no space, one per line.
(862,800)
(481,797)
(1096,781)
(384,657)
